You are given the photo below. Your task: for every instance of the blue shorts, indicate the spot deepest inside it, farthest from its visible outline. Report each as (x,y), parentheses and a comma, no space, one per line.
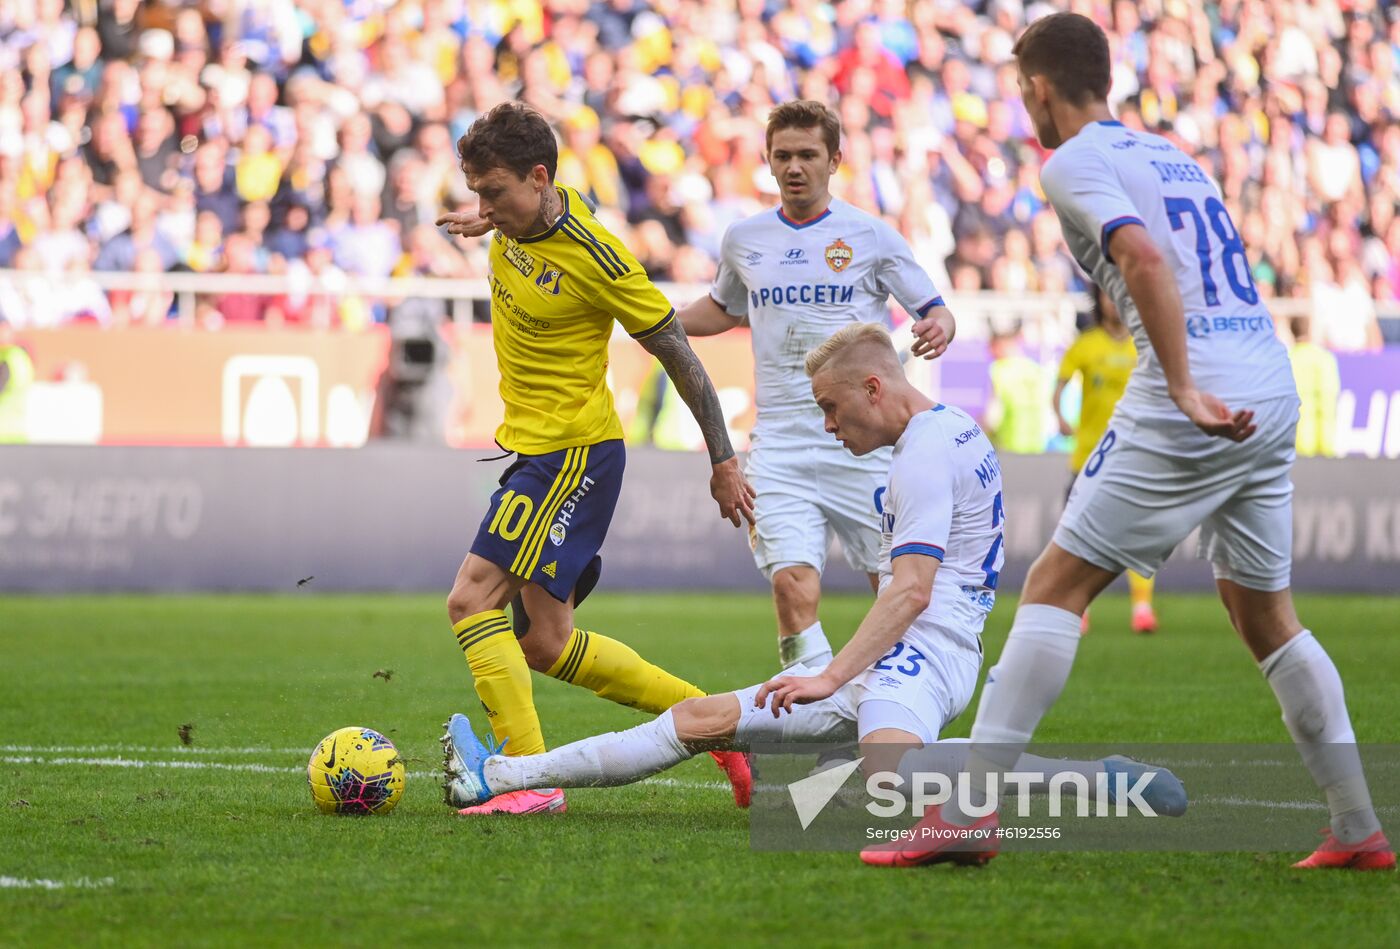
(548,519)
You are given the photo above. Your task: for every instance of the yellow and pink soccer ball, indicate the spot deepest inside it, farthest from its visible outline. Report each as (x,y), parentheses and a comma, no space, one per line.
(355,771)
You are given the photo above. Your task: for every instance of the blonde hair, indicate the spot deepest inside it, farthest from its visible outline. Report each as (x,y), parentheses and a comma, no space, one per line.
(864,343)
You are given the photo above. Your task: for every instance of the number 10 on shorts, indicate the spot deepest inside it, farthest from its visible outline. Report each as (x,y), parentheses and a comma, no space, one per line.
(512,514)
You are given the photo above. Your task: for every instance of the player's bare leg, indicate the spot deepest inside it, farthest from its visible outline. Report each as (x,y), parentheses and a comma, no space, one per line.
(1309,691)
(543,625)
(609,669)
(796,595)
(479,585)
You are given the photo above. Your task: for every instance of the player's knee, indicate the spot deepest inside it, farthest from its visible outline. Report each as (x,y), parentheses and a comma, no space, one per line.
(480,587)
(459,605)
(468,600)
(545,643)
(706,722)
(796,593)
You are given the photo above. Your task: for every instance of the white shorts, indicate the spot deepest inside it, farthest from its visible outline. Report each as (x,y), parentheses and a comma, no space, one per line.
(807,494)
(1148,484)
(914,689)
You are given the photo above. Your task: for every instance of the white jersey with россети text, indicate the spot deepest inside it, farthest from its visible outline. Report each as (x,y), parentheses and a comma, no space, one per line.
(800,282)
(1108,176)
(942,499)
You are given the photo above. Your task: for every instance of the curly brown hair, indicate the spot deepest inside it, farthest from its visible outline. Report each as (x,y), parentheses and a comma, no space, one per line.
(513,136)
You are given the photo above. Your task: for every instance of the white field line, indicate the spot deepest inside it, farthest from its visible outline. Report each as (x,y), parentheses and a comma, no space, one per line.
(143,763)
(150,750)
(1230,801)
(82,883)
(118,762)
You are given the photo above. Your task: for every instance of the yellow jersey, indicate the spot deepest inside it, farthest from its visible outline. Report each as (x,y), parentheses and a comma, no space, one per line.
(1319,383)
(1103,365)
(554,298)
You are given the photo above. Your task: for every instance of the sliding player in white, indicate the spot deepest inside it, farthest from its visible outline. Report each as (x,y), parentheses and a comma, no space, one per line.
(795,275)
(911,666)
(1149,226)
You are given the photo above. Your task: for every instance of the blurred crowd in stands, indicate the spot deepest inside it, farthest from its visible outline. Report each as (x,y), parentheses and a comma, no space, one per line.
(316,138)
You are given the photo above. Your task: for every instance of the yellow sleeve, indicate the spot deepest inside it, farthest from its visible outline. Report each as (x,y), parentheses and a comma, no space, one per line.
(637,305)
(627,294)
(619,283)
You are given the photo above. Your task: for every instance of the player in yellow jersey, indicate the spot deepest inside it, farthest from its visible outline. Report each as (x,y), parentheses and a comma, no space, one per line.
(1319,383)
(1103,357)
(558,282)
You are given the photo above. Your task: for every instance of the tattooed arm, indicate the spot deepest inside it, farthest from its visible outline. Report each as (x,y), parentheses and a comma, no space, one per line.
(727,484)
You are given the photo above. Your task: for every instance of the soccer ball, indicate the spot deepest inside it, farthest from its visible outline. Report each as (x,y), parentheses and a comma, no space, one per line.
(355,771)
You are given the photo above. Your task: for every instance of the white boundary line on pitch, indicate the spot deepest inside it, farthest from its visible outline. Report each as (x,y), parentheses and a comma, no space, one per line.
(82,883)
(143,763)
(1230,801)
(149,750)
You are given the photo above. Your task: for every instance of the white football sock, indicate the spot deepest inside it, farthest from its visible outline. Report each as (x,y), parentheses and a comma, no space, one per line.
(1020,689)
(809,647)
(1315,711)
(601,761)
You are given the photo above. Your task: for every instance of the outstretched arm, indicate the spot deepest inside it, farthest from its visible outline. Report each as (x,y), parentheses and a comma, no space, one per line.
(728,486)
(899,605)
(705,317)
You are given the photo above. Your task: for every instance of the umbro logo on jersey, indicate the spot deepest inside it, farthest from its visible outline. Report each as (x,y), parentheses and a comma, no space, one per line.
(839,255)
(754,258)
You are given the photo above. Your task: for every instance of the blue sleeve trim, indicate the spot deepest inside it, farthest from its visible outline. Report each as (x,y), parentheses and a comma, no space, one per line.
(1112,226)
(936,301)
(928,550)
(719,303)
(656,327)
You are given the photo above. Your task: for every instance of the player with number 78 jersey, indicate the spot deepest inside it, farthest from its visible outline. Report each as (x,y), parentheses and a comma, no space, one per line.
(1109,176)
(1204,435)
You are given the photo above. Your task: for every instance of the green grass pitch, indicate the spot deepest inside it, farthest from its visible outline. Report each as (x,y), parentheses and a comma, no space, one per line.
(218,843)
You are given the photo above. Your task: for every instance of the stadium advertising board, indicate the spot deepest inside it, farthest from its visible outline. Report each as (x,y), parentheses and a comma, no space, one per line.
(395,517)
(243,386)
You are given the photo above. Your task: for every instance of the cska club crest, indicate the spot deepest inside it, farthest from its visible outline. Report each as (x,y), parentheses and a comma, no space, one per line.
(838,255)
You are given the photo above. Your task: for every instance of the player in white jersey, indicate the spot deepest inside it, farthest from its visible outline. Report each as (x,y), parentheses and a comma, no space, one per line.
(911,666)
(796,274)
(1150,227)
